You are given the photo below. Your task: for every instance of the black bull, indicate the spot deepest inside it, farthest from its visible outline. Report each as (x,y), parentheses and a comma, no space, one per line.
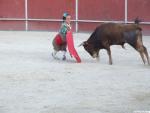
(109,34)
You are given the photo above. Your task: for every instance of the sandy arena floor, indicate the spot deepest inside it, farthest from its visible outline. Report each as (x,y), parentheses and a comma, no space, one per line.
(31,81)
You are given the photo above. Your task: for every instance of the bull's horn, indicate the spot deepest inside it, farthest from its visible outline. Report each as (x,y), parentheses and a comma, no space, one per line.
(81,44)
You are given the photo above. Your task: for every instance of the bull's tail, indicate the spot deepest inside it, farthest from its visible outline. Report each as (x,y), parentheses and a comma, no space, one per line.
(137,20)
(139,43)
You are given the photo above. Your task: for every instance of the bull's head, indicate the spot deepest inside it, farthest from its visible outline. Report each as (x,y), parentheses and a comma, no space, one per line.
(90,49)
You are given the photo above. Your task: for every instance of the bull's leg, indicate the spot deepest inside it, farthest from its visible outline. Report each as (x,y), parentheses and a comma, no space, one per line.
(98,57)
(140,48)
(123,46)
(109,54)
(146,54)
(142,56)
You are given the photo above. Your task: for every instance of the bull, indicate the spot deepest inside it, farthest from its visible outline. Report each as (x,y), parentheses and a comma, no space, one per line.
(109,34)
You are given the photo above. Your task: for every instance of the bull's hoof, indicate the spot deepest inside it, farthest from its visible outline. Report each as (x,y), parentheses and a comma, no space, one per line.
(149,63)
(123,47)
(110,63)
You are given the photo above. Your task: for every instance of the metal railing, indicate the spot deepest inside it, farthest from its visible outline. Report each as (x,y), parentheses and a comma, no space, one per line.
(77,20)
